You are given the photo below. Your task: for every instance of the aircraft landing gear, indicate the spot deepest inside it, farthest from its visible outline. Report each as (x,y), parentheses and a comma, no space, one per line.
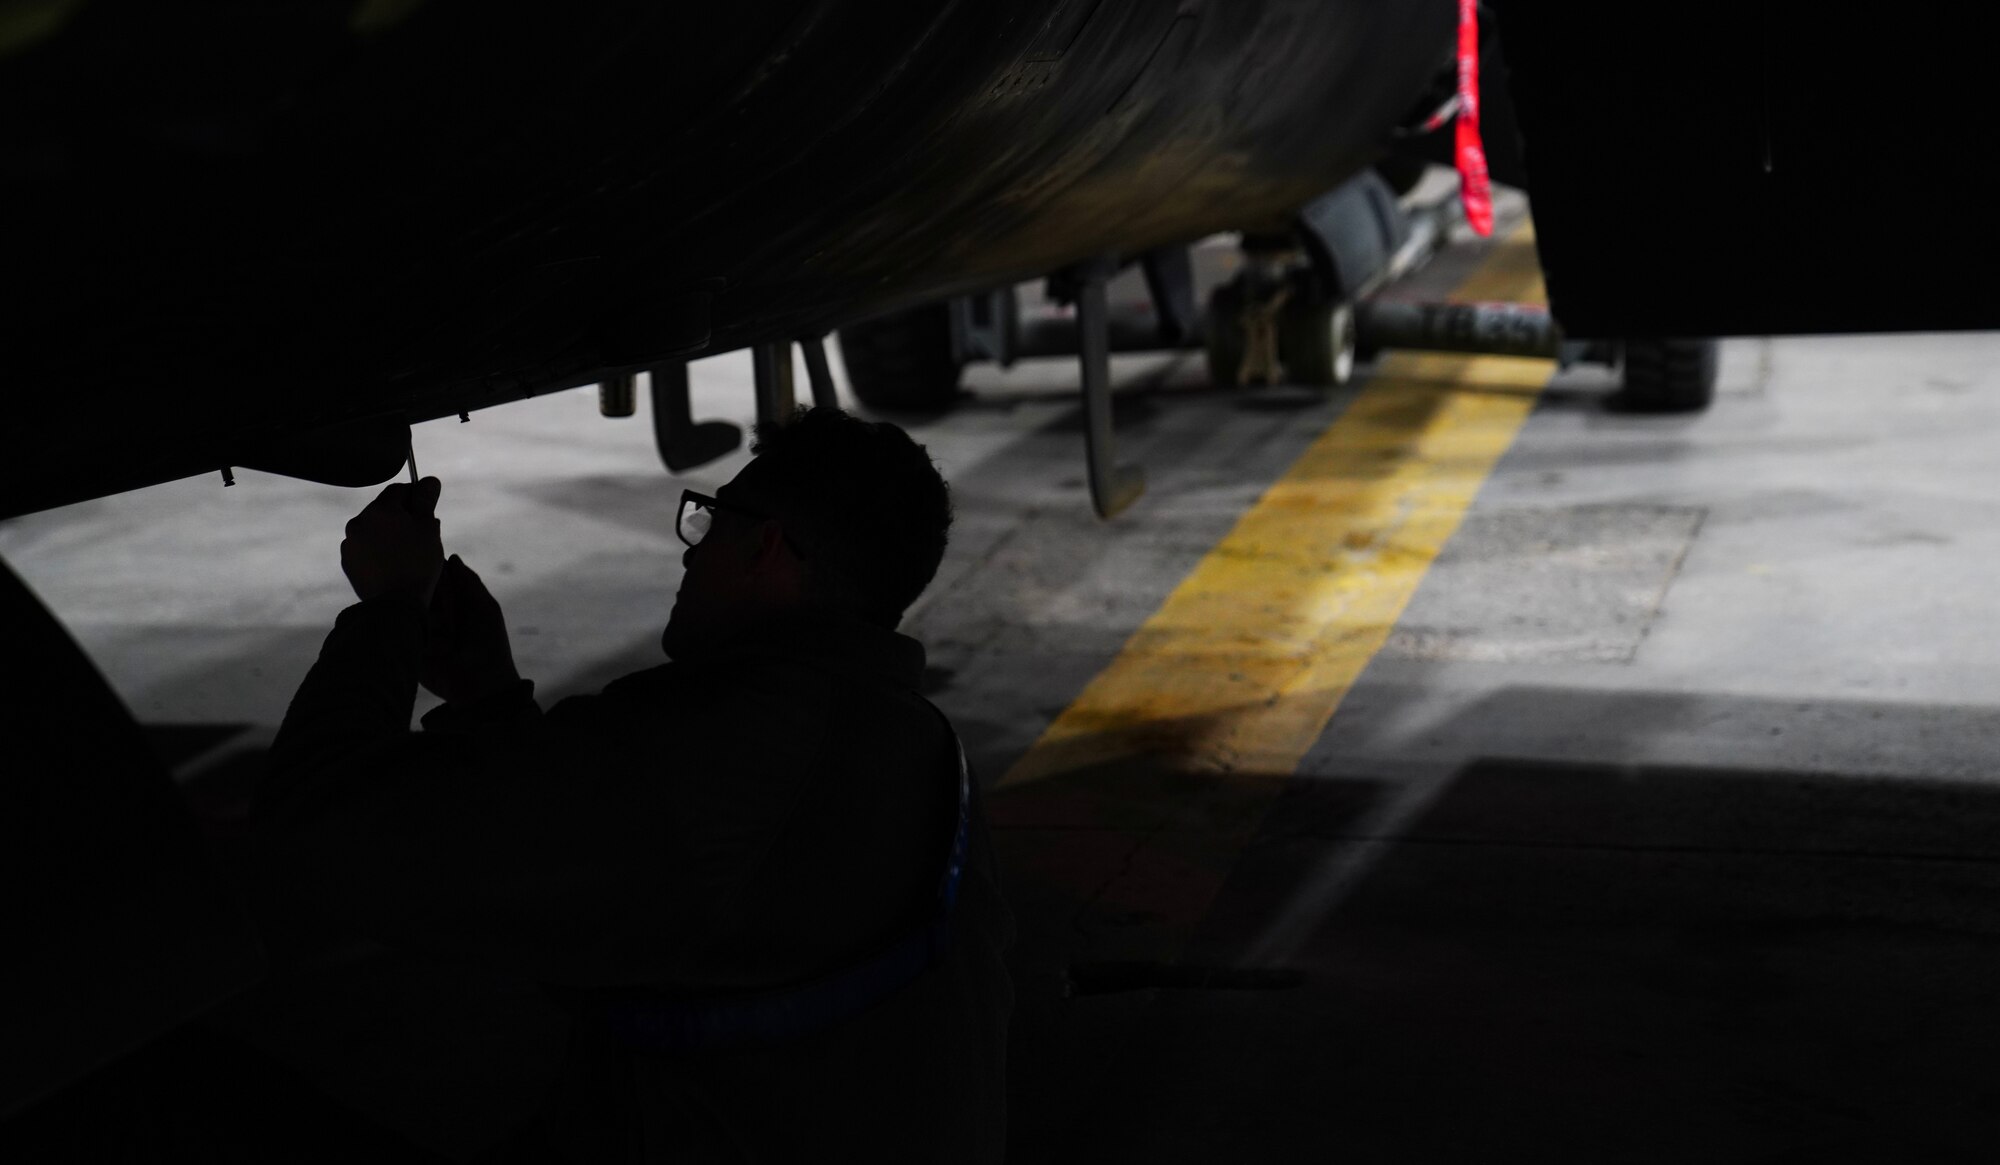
(818,373)
(904,361)
(771,366)
(1290,315)
(1318,338)
(683,443)
(1271,330)
(1666,376)
(1113,487)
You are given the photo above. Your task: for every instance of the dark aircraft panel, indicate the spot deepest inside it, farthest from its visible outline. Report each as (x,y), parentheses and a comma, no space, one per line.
(229,222)
(1714,168)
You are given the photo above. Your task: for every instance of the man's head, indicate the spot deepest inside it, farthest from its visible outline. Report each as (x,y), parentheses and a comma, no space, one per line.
(834,514)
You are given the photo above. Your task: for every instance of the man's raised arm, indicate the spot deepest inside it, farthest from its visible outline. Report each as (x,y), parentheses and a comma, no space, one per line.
(364,686)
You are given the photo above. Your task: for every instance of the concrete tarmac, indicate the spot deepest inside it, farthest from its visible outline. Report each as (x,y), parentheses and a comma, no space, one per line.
(1660,828)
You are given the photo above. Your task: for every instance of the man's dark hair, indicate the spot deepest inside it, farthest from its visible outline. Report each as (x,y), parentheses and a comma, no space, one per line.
(863,502)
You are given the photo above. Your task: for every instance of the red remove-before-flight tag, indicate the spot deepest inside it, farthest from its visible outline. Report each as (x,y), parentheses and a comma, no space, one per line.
(1475,189)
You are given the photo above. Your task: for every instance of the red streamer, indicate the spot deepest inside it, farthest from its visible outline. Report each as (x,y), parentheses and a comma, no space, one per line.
(1475,189)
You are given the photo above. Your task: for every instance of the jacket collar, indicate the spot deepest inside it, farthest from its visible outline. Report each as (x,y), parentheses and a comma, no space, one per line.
(832,642)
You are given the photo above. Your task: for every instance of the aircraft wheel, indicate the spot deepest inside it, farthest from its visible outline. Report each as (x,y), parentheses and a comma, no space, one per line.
(903,362)
(1225,335)
(1317,341)
(1667,376)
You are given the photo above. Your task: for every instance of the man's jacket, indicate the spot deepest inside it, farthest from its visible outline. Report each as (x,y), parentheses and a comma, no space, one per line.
(765,816)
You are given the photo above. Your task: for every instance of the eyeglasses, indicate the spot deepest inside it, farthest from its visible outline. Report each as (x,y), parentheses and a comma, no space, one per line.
(697,515)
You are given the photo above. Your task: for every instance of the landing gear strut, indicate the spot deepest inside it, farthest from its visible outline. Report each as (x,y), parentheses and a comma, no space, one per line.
(1113,487)
(818,373)
(682,442)
(685,443)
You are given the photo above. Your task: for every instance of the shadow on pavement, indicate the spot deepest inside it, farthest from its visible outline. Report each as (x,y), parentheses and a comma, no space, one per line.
(1555,959)
(1580,960)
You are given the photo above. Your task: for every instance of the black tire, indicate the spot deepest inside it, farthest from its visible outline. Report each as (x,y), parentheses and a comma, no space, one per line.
(1316,341)
(1667,376)
(903,362)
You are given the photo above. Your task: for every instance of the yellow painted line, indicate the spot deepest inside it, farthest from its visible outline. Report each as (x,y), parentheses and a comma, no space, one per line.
(1246,661)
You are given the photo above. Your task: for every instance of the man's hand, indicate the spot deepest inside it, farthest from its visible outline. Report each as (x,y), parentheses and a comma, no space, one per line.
(468,654)
(393,546)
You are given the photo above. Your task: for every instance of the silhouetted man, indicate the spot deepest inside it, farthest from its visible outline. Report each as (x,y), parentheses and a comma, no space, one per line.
(733,867)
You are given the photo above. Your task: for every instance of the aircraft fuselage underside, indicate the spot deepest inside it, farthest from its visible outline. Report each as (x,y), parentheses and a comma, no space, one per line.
(219,250)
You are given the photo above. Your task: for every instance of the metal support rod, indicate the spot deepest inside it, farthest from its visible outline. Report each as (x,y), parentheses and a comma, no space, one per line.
(683,444)
(617,394)
(1113,487)
(771,365)
(1170,283)
(819,373)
